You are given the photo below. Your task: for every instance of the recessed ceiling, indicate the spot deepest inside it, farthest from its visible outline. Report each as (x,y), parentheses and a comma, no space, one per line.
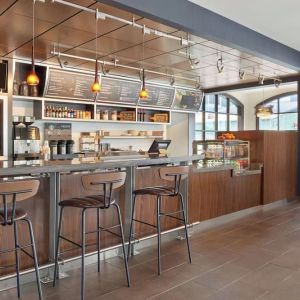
(275,19)
(74,31)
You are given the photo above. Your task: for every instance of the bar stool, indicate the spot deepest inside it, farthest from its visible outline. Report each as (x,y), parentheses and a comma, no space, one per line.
(175,174)
(102,184)
(12,192)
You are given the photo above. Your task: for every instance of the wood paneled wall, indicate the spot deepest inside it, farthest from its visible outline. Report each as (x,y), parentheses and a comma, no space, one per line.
(213,194)
(277,151)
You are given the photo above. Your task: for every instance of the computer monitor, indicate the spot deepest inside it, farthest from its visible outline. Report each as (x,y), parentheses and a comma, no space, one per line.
(158,145)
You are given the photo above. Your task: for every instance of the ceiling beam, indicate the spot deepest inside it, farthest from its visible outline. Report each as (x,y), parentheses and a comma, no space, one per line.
(189,17)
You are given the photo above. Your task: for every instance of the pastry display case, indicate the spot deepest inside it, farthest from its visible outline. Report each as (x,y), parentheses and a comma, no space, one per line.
(220,152)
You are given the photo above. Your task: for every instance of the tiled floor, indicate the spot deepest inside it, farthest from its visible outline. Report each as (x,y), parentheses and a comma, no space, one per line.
(256,257)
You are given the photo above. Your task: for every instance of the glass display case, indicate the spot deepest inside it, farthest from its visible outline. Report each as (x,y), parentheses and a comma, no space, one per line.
(223,152)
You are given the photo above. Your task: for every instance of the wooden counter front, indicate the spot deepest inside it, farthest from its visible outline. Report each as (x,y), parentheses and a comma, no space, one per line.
(213,194)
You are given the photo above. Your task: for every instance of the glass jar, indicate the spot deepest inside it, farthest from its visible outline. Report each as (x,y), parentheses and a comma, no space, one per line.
(104,115)
(23,89)
(53,148)
(114,115)
(70,147)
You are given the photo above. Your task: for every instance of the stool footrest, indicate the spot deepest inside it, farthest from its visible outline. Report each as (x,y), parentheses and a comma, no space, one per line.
(145,223)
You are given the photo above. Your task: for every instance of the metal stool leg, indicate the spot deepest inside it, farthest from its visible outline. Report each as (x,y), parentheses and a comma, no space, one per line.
(82,252)
(98,237)
(17,258)
(57,247)
(158,234)
(123,243)
(37,274)
(185,227)
(130,230)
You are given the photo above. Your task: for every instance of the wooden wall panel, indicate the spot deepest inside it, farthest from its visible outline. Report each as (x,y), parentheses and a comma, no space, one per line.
(277,151)
(37,208)
(213,194)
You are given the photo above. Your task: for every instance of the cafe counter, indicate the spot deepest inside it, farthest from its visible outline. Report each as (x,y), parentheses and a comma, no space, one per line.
(208,193)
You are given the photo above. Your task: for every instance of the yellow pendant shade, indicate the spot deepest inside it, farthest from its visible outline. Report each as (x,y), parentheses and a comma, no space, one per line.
(143,93)
(32,78)
(96,86)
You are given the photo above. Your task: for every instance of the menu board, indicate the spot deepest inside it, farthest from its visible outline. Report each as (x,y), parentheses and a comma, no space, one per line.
(69,85)
(158,96)
(119,91)
(188,99)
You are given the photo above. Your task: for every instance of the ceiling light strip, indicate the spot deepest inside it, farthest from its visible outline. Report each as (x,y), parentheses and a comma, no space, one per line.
(102,15)
(59,54)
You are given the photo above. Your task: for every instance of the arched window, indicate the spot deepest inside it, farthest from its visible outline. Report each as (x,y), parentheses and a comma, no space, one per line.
(284,117)
(218,113)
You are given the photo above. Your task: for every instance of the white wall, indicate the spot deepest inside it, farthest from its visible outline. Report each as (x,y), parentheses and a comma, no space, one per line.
(178,132)
(251,97)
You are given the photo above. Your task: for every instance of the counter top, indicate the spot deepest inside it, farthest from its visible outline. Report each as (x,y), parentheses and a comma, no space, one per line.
(14,168)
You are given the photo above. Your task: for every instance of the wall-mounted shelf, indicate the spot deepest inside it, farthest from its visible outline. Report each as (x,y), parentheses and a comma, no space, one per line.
(130,137)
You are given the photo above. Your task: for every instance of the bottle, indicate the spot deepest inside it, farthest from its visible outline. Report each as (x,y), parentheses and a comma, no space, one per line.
(75,114)
(65,112)
(46,150)
(47,111)
(72,113)
(55,112)
(69,114)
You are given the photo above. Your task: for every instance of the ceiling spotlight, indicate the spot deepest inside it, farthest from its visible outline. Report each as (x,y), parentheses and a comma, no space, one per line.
(242,74)
(59,61)
(193,62)
(277,82)
(104,69)
(115,61)
(261,79)
(220,65)
(172,81)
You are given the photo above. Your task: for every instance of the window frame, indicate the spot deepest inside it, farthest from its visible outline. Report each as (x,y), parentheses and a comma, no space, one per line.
(229,98)
(276,97)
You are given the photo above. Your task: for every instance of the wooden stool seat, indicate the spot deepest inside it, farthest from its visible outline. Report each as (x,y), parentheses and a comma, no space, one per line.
(18,214)
(87,202)
(155,190)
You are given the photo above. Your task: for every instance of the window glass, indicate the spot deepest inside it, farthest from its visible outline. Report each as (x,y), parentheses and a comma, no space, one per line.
(199,121)
(198,135)
(222,104)
(233,123)
(210,135)
(233,109)
(222,122)
(288,121)
(269,123)
(210,119)
(288,104)
(210,103)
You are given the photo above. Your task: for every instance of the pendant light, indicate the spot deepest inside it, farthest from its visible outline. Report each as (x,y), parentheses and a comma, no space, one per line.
(143,92)
(264,112)
(96,86)
(32,78)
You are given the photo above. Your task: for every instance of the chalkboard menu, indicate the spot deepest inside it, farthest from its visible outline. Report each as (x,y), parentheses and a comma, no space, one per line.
(119,91)
(158,96)
(188,99)
(69,85)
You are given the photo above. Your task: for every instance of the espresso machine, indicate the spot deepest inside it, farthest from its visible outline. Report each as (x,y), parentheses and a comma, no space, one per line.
(26,140)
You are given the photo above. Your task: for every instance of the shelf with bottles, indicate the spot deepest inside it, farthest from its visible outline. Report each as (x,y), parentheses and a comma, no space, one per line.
(20,86)
(153,116)
(228,152)
(67,111)
(115,113)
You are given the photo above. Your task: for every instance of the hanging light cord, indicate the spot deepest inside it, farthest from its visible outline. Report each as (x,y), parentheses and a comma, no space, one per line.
(33,33)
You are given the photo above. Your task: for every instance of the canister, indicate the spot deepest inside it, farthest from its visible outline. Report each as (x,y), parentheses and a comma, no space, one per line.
(70,146)
(53,147)
(61,147)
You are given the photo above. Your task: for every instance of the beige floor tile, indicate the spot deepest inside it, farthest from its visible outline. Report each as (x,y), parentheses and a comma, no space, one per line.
(222,276)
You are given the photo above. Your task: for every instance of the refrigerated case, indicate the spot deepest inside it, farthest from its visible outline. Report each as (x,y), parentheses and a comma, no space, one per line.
(223,152)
